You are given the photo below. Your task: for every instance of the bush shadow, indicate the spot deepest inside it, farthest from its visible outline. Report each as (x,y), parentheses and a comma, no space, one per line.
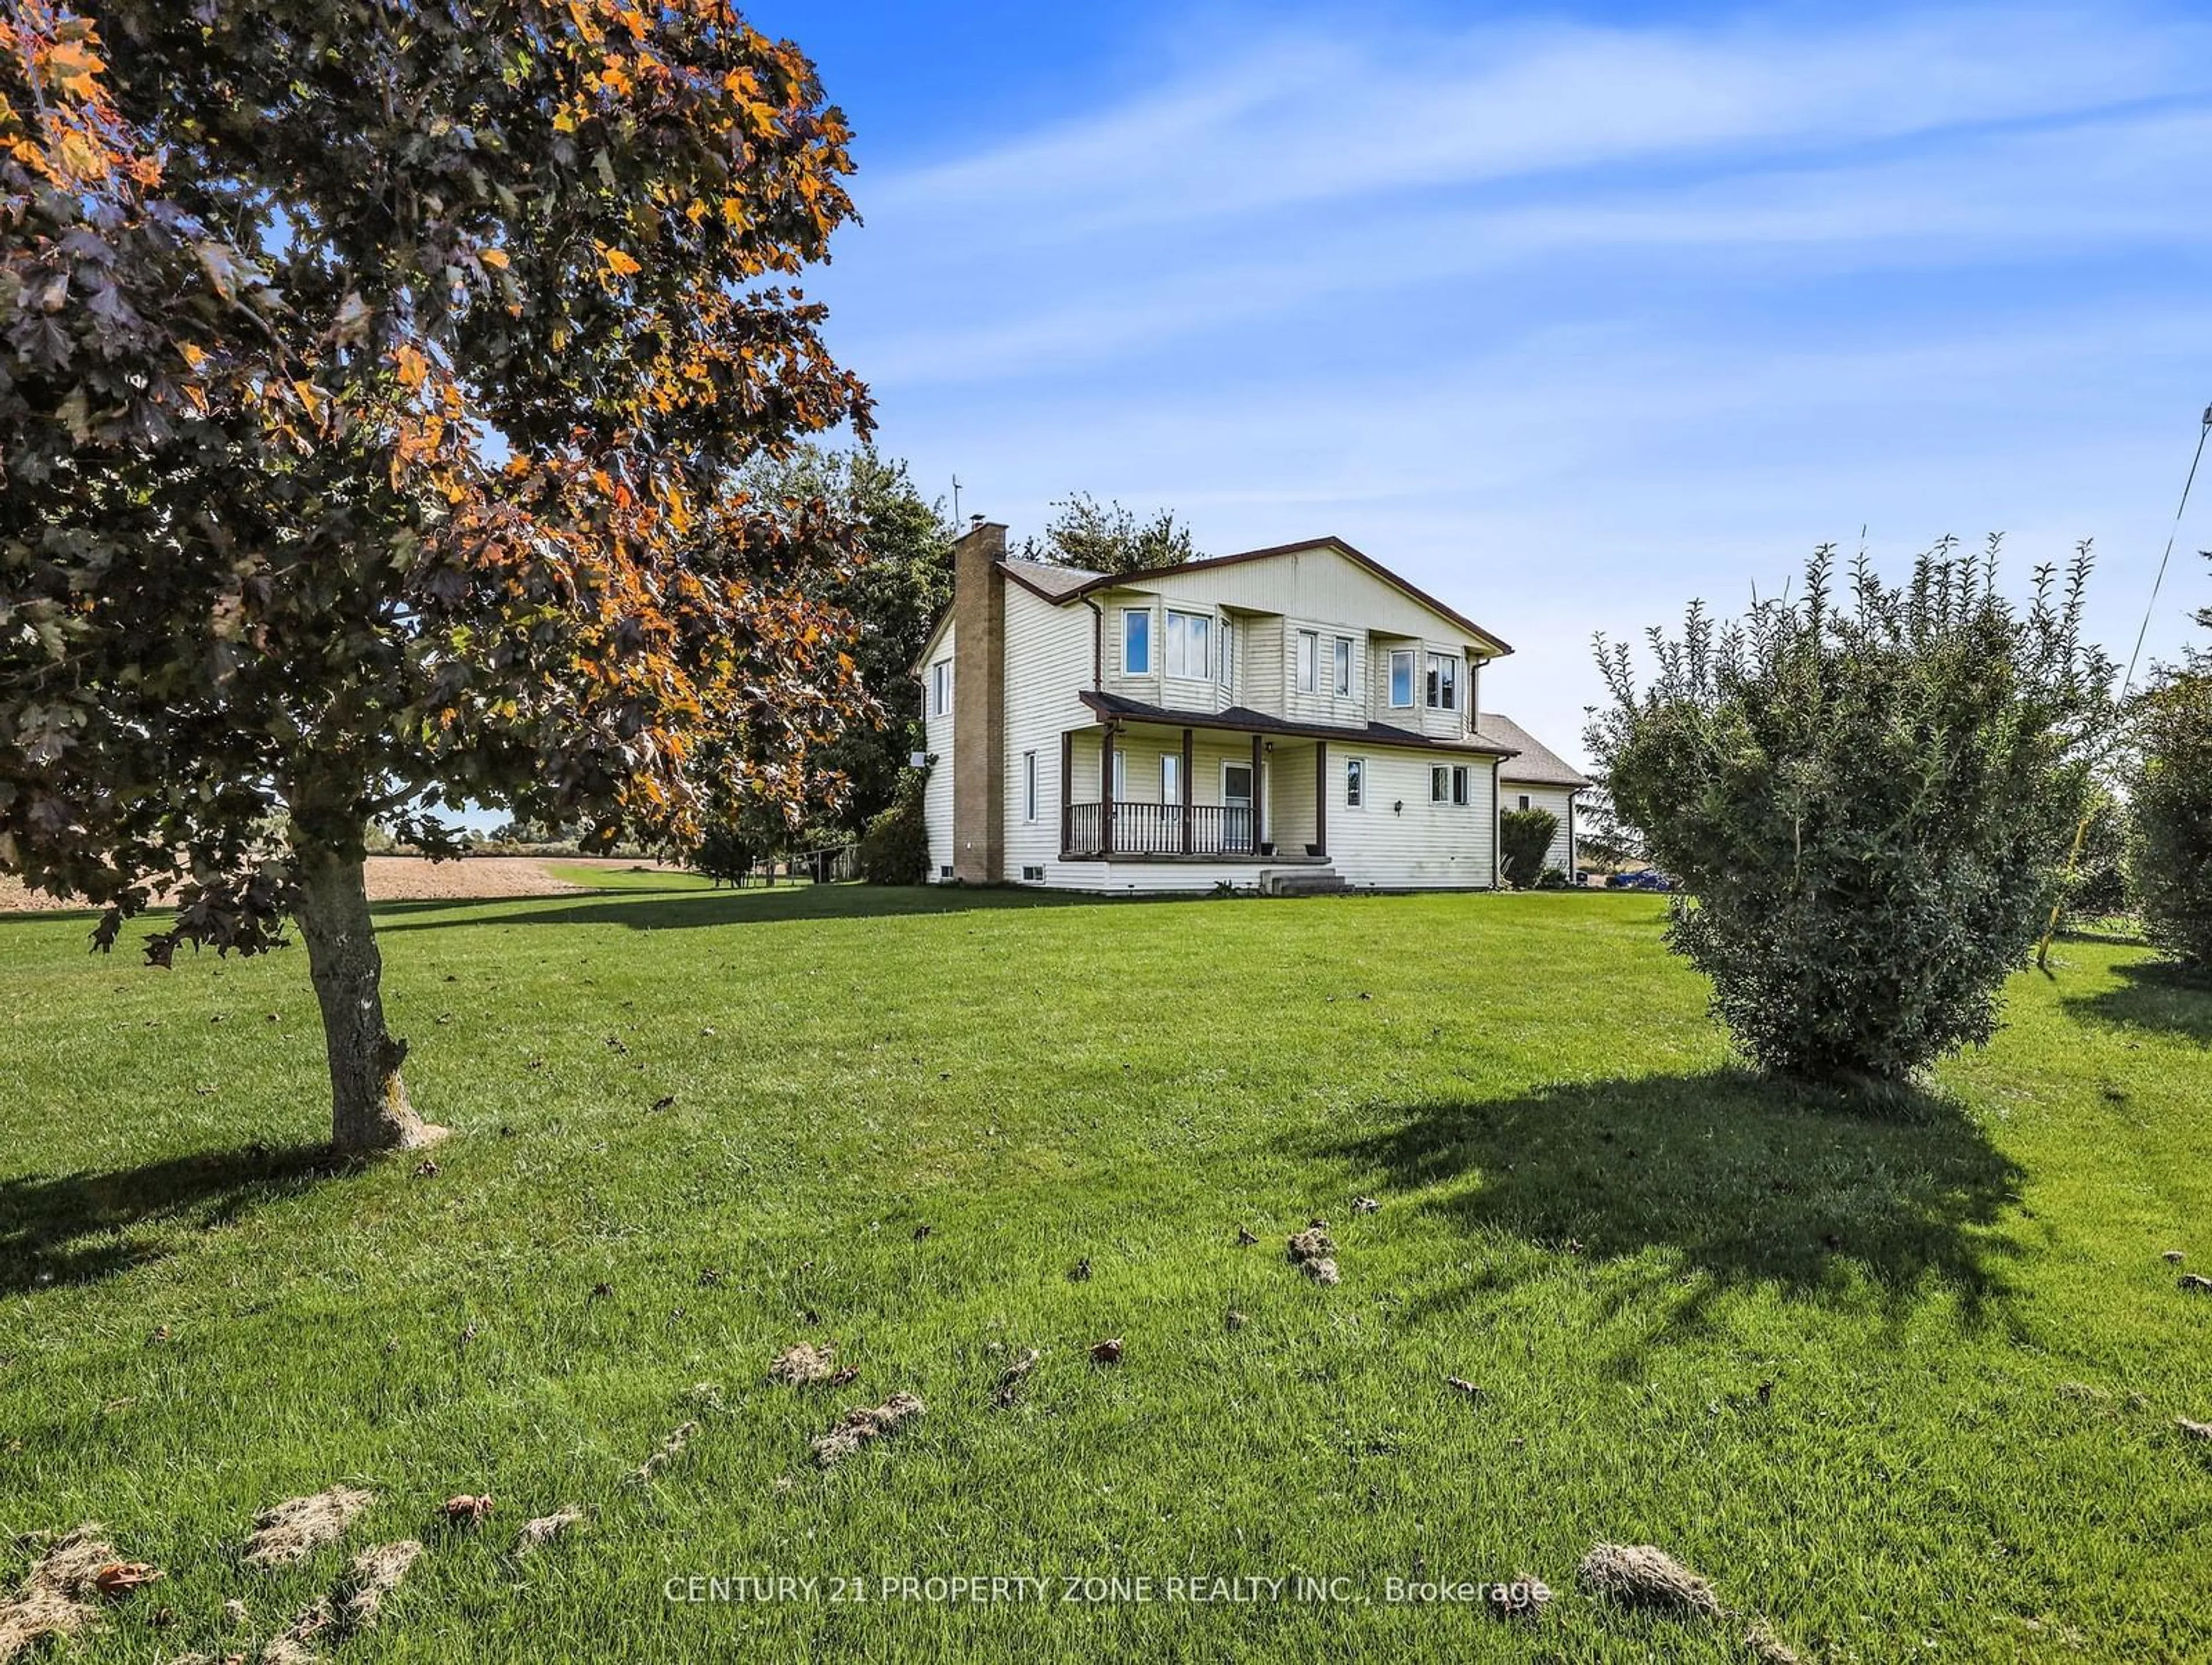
(2152,994)
(1746,1182)
(57,1229)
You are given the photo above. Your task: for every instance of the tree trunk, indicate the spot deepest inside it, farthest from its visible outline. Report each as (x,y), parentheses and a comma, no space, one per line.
(369,1101)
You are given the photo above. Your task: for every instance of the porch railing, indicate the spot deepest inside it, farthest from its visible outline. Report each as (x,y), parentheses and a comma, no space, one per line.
(1125,828)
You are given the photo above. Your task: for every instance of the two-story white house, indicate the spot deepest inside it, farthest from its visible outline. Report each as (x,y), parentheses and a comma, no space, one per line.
(1291,719)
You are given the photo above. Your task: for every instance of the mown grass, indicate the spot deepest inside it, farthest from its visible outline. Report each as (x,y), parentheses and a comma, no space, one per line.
(1968,1450)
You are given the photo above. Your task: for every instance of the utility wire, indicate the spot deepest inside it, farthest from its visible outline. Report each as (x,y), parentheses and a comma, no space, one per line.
(2151,606)
(2128,682)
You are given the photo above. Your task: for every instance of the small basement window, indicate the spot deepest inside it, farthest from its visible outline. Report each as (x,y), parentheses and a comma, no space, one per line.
(945,873)
(1033,875)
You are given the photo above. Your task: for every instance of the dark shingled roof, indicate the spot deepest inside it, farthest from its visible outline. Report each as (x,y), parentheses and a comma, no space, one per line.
(1244,719)
(1053,583)
(1536,764)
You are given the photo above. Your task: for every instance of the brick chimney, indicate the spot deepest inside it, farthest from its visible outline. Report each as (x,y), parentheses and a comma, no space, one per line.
(978,706)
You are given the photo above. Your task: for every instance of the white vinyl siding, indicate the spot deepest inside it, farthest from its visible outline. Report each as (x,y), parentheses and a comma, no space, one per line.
(1049,665)
(936,742)
(1557,800)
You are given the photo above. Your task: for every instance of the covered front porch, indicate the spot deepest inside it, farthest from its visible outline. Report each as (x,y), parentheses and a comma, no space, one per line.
(1153,792)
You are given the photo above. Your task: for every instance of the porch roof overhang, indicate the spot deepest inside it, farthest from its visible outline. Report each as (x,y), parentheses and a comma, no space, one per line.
(1241,720)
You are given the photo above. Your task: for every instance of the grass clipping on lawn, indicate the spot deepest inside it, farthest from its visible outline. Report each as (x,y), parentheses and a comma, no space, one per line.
(1645,1575)
(294,1530)
(863,1424)
(59,1597)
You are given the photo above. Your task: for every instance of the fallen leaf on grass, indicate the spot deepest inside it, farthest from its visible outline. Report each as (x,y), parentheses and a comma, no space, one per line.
(1244,1238)
(2194,1429)
(2196,1283)
(467,1511)
(118,1578)
(1232,1320)
(535,1535)
(1010,1379)
(1365,1206)
(1079,1273)
(864,1424)
(2173,1257)
(56,1598)
(1460,1384)
(1108,1352)
(1645,1575)
(292,1531)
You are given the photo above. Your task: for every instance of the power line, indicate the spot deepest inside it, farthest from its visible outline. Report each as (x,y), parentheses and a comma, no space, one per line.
(2151,606)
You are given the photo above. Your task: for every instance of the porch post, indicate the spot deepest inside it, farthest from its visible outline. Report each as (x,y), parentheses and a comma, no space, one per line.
(1066,786)
(1321,799)
(1186,791)
(1106,789)
(1259,800)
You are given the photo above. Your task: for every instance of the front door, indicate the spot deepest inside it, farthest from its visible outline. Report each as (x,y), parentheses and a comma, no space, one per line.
(1236,809)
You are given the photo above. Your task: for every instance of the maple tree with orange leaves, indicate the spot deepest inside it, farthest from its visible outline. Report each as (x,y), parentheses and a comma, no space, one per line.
(374,380)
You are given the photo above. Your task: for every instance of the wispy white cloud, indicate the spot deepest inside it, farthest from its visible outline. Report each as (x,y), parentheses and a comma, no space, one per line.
(1572,324)
(1300,120)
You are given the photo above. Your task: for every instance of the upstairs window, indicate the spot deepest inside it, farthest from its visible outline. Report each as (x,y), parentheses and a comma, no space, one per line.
(1344,667)
(1443,682)
(1137,641)
(1190,640)
(1227,653)
(1459,785)
(940,688)
(1401,676)
(1308,657)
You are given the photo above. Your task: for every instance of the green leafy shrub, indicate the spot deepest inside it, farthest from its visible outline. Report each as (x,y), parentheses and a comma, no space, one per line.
(1524,839)
(896,848)
(726,854)
(2099,886)
(1870,806)
(2170,805)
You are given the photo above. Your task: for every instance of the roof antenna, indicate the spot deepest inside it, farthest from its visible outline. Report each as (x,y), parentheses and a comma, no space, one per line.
(955,500)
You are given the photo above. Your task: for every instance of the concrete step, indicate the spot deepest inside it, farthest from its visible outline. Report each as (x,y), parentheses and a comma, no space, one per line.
(1301,882)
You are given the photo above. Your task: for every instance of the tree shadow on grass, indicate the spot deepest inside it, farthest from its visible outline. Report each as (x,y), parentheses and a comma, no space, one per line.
(2153,994)
(62,1228)
(1744,1182)
(688,908)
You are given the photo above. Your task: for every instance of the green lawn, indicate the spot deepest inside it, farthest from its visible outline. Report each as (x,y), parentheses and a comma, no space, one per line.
(1968,1452)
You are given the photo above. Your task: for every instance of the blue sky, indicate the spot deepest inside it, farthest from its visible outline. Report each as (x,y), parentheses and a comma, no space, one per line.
(1568,314)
